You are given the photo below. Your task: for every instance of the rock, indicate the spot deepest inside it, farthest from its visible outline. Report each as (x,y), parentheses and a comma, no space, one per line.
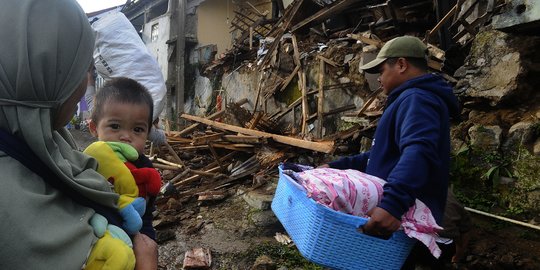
(456,144)
(344,80)
(264,219)
(485,137)
(165,235)
(263,262)
(536,147)
(198,258)
(473,114)
(522,133)
(258,200)
(172,204)
(497,67)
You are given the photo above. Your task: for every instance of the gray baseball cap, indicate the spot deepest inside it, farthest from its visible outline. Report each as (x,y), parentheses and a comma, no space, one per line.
(405,46)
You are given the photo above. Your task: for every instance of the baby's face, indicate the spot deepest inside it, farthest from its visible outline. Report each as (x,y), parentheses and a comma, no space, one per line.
(123,122)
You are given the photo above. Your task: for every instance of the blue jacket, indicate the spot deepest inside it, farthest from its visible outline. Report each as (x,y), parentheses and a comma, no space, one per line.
(411,147)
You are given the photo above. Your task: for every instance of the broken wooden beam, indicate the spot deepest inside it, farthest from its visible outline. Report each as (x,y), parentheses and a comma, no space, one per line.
(305,105)
(370,100)
(206,139)
(334,111)
(289,79)
(244,139)
(328,61)
(441,22)
(166,162)
(173,153)
(320,100)
(194,126)
(370,41)
(324,14)
(325,146)
(192,178)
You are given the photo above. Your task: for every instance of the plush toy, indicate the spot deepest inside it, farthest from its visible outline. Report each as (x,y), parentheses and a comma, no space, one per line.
(112,157)
(148,180)
(113,250)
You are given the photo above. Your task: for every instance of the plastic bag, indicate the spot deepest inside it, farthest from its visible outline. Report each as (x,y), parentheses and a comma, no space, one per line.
(120,52)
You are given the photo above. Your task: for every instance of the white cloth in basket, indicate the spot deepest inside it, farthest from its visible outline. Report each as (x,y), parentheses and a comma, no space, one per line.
(355,193)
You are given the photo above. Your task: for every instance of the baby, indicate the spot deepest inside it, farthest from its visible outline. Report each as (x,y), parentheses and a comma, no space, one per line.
(121,120)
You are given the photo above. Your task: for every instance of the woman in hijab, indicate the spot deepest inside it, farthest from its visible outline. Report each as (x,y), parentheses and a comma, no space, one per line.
(45,52)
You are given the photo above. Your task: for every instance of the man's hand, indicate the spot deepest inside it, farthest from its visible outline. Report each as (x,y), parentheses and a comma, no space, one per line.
(381,223)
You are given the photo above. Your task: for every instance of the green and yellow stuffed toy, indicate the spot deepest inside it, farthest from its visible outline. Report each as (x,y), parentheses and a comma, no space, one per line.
(113,249)
(111,157)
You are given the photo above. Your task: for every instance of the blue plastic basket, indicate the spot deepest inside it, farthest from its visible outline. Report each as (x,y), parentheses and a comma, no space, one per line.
(330,238)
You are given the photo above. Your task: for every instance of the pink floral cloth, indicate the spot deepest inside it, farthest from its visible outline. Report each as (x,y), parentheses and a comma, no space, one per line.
(355,193)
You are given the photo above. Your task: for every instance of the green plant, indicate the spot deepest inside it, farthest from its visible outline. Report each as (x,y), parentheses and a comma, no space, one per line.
(495,173)
(498,167)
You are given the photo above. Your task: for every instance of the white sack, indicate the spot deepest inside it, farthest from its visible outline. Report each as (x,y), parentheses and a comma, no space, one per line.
(120,52)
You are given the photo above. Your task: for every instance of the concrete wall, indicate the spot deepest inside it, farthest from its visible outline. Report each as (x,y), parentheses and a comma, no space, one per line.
(158,48)
(212,25)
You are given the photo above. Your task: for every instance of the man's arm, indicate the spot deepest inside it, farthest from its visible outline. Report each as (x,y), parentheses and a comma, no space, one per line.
(357,162)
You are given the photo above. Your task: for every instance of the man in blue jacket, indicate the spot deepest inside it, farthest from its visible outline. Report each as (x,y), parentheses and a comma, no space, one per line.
(411,147)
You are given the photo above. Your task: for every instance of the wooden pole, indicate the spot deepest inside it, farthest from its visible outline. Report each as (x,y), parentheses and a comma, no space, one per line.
(305,109)
(320,100)
(441,22)
(325,147)
(174,154)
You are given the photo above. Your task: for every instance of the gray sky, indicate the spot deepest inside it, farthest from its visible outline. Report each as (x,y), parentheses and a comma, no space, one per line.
(95,5)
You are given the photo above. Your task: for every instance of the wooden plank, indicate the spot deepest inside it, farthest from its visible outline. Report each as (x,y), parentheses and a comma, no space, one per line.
(296,52)
(367,40)
(320,100)
(441,22)
(222,159)
(329,61)
(278,115)
(324,14)
(305,108)
(370,100)
(334,111)
(289,79)
(194,126)
(259,89)
(325,147)
(216,156)
(258,117)
(206,139)
(174,154)
(244,139)
(193,178)
(166,162)
(235,147)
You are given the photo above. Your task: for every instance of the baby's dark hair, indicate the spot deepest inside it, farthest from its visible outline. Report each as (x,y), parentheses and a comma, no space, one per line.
(123,90)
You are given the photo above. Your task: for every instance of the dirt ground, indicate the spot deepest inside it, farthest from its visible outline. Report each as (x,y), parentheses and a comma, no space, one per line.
(237,234)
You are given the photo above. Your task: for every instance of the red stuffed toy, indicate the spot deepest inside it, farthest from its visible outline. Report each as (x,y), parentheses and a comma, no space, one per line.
(148,180)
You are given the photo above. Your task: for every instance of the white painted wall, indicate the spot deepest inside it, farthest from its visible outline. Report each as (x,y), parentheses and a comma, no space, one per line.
(158,48)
